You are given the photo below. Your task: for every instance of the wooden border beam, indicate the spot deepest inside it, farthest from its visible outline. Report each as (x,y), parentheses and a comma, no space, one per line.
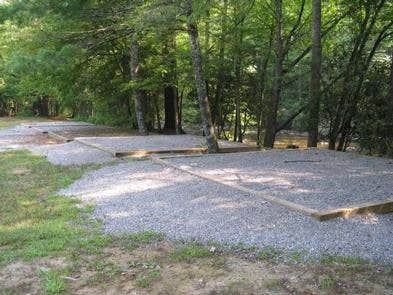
(381,207)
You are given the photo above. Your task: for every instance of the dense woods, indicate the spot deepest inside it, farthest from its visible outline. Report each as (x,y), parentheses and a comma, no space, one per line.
(233,67)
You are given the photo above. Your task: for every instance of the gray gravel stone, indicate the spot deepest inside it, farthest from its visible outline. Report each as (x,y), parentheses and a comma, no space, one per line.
(318,179)
(72,154)
(140,196)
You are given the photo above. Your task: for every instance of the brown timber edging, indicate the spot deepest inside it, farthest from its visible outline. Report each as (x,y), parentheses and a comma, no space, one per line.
(381,207)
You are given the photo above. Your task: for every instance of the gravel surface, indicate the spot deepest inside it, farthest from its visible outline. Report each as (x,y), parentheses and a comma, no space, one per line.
(154,142)
(16,137)
(74,128)
(318,179)
(56,123)
(140,196)
(72,154)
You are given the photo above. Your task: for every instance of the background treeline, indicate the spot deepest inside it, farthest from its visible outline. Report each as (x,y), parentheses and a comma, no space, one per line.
(130,63)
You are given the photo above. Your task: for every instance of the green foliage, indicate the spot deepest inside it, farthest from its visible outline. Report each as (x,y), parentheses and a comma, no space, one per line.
(53,282)
(269,253)
(74,58)
(145,281)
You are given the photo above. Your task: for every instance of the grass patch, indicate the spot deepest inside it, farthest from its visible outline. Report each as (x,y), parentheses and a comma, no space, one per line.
(145,281)
(52,282)
(327,282)
(343,260)
(269,253)
(34,222)
(189,252)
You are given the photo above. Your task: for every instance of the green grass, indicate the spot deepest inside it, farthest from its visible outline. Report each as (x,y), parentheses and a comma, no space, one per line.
(344,260)
(327,282)
(34,221)
(144,281)
(269,253)
(189,252)
(52,282)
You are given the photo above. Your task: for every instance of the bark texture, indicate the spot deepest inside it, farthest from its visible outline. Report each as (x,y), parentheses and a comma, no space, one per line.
(271,116)
(315,84)
(201,84)
(139,95)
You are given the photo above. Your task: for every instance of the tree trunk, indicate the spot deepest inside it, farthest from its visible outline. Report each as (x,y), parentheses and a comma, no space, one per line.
(390,94)
(170,90)
(139,95)
(271,116)
(237,136)
(217,104)
(315,84)
(170,103)
(200,83)
(157,109)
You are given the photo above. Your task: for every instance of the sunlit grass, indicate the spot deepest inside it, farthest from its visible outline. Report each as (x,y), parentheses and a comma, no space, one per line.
(34,221)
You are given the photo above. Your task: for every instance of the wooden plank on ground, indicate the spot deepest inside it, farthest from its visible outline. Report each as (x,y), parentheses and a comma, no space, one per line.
(381,207)
(186,151)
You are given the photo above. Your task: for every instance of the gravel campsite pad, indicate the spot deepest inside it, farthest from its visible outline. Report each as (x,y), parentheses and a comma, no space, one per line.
(71,131)
(22,137)
(317,179)
(57,152)
(56,123)
(154,142)
(141,196)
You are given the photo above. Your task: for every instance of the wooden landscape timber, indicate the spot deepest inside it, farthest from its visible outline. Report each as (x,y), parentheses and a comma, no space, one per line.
(381,207)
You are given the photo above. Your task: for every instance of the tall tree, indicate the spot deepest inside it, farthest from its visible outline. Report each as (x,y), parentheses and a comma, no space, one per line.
(139,94)
(315,84)
(196,55)
(271,116)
